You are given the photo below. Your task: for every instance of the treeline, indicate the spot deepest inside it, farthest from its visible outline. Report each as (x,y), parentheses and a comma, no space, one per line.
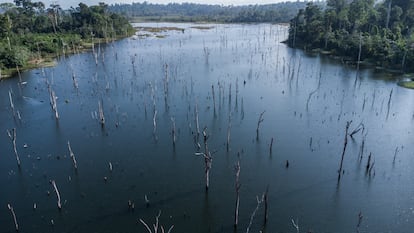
(375,31)
(29,30)
(279,12)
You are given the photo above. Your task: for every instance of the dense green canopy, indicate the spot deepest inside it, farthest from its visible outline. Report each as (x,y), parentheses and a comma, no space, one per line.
(29,29)
(278,12)
(384,30)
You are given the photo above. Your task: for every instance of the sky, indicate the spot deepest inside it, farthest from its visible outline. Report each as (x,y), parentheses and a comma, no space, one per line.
(68,3)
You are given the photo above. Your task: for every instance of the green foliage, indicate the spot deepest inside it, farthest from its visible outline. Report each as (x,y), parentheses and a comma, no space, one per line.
(17,56)
(384,30)
(29,29)
(279,12)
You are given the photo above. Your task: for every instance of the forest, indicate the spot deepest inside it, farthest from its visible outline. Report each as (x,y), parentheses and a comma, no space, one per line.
(30,32)
(378,33)
(191,12)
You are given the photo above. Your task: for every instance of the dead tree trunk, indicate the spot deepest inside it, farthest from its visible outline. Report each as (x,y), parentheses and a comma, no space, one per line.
(236,209)
(313,92)
(236,103)
(207,159)
(19,74)
(214,99)
(348,123)
(12,136)
(367,167)
(296,225)
(53,102)
(11,103)
(359,59)
(271,146)
(387,21)
(154,122)
(59,203)
(72,156)
(258,124)
(360,127)
(259,202)
(242,109)
(389,104)
(173,131)
(166,87)
(16,225)
(228,134)
(101,114)
(157,227)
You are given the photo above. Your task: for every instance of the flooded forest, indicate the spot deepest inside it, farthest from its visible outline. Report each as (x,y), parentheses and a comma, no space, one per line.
(208,128)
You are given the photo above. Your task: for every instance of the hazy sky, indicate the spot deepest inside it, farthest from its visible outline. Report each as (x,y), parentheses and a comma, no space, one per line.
(67,3)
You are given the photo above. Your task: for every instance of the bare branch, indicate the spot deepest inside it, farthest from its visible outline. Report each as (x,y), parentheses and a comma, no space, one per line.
(259,201)
(156,226)
(155,122)
(146,226)
(173,131)
(59,204)
(10,207)
(101,113)
(296,225)
(12,135)
(72,156)
(360,127)
(169,230)
(236,210)
(261,119)
(348,123)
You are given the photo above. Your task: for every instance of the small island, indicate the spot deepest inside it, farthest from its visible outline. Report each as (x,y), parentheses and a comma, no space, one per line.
(31,35)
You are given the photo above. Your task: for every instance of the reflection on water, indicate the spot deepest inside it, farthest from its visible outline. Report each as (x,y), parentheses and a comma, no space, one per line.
(226,75)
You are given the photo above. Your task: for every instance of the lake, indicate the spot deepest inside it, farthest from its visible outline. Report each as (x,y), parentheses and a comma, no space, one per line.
(226,81)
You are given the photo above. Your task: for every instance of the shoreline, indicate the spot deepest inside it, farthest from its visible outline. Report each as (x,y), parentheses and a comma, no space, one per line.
(49,60)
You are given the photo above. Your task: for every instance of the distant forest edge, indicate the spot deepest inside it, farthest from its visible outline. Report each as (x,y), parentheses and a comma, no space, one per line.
(359,30)
(191,12)
(30,32)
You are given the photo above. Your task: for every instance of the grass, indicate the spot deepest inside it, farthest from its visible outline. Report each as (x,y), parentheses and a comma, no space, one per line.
(31,64)
(203,27)
(407,84)
(159,29)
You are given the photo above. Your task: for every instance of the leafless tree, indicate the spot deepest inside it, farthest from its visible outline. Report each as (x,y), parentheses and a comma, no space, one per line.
(72,156)
(348,123)
(12,136)
(59,203)
(16,225)
(157,227)
(236,209)
(261,119)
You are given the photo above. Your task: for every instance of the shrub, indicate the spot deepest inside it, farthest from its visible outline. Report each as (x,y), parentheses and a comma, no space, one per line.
(17,56)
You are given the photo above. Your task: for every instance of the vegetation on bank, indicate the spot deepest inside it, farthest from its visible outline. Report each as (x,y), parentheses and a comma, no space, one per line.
(30,33)
(191,12)
(376,31)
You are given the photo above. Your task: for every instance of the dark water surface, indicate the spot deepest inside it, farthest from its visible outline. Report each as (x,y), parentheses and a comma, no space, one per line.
(251,72)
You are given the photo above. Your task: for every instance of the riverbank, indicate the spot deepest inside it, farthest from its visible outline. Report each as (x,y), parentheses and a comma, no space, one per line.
(32,37)
(75,46)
